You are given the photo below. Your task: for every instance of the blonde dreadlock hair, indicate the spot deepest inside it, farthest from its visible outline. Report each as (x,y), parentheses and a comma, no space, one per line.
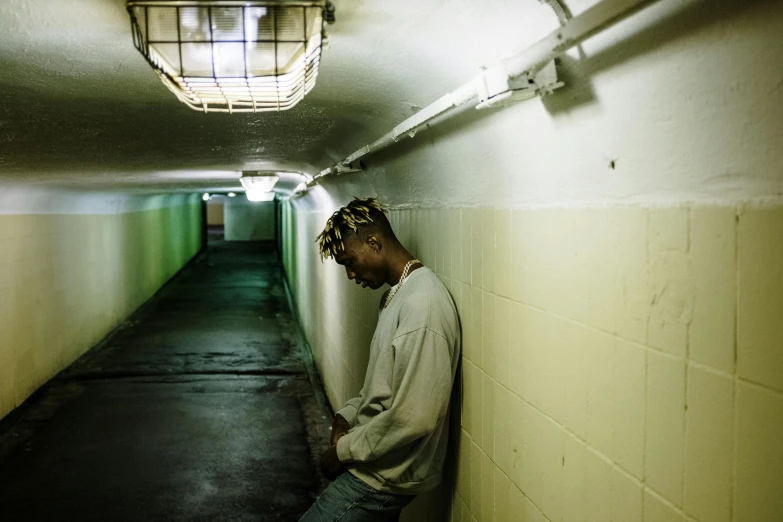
(357,213)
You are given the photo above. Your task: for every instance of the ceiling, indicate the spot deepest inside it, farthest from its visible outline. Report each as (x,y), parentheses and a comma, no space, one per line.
(80,107)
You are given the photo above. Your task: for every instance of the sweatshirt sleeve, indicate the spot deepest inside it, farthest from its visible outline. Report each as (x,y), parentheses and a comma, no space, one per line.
(423,360)
(350,410)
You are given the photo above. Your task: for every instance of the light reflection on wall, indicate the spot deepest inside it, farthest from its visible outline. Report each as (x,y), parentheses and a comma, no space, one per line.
(338,316)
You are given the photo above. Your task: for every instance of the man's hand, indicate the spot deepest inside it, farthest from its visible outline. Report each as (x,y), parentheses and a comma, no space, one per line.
(340,427)
(330,463)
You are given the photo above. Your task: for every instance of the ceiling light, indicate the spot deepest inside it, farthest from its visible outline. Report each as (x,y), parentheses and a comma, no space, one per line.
(205,197)
(259,184)
(231,194)
(258,195)
(231,56)
(259,180)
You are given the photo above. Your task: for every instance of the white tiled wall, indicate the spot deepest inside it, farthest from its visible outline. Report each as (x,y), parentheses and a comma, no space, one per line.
(619,364)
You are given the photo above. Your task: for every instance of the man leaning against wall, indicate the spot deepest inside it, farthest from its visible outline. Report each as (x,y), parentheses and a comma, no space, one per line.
(389,443)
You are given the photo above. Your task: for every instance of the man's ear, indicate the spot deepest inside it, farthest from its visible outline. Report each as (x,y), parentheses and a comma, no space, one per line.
(375,244)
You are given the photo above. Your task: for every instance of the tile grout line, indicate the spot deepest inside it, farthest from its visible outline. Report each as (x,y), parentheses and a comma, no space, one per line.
(758,385)
(569,320)
(568,431)
(668,503)
(588,447)
(510,480)
(646,368)
(735,406)
(686,413)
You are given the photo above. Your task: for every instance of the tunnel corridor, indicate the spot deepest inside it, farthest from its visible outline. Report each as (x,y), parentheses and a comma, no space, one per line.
(595,187)
(199,407)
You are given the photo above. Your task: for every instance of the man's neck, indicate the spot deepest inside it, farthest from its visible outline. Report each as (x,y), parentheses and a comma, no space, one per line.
(397,264)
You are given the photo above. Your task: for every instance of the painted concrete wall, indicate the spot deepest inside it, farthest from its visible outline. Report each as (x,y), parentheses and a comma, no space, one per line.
(249,221)
(68,277)
(615,255)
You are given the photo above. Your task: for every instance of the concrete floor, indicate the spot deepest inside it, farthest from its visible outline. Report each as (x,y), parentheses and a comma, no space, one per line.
(200,407)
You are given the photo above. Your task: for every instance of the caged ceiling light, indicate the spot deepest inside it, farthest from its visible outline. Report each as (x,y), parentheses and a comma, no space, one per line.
(259,184)
(232,56)
(256,197)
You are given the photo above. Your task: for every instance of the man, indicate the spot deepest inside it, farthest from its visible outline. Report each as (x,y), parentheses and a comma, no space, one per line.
(392,438)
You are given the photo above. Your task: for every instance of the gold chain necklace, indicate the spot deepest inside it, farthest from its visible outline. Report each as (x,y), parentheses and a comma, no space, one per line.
(403,277)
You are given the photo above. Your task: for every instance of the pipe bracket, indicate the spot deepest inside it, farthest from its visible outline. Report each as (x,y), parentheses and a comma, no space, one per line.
(496,87)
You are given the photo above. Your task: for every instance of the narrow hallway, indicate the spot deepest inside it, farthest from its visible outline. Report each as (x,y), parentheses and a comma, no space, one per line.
(591,192)
(193,410)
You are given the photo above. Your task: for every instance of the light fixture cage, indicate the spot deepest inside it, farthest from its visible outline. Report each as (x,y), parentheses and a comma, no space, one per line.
(259,181)
(231,56)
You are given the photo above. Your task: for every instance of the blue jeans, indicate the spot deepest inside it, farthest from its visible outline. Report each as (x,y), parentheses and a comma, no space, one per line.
(349,499)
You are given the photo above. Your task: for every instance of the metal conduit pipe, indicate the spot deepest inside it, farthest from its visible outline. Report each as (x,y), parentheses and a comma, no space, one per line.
(527,63)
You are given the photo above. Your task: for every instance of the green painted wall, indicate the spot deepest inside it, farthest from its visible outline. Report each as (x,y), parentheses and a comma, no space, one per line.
(66,280)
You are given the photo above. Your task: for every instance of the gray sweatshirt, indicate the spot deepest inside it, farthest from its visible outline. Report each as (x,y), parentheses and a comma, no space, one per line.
(400,421)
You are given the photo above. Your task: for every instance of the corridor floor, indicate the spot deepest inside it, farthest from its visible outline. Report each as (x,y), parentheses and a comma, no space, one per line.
(200,407)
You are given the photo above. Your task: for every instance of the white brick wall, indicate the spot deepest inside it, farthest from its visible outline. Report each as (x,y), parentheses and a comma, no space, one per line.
(598,358)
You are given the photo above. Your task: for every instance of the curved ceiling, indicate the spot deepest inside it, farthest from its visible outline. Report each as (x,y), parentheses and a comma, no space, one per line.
(80,106)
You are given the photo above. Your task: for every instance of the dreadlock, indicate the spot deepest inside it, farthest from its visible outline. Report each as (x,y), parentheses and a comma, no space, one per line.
(357,213)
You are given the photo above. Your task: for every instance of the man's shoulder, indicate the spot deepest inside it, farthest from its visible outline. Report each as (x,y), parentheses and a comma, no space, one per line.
(428,286)
(428,304)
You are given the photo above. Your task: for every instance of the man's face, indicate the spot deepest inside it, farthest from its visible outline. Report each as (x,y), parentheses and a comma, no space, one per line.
(362,264)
